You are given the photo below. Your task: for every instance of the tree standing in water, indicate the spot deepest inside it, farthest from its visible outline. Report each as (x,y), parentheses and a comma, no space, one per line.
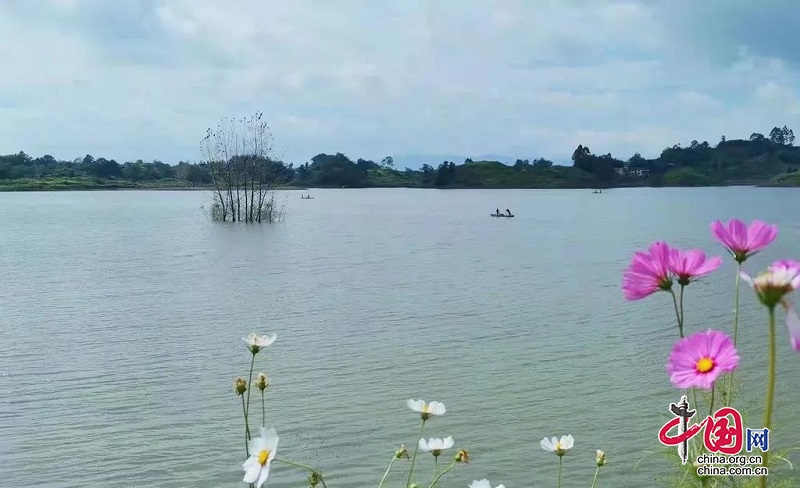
(243,172)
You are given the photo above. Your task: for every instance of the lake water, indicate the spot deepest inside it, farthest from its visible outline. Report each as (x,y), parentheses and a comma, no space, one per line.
(121,317)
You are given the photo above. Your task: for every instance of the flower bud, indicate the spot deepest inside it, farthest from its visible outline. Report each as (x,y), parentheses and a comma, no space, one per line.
(313,479)
(262,381)
(600,459)
(240,386)
(413,485)
(462,456)
(401,453)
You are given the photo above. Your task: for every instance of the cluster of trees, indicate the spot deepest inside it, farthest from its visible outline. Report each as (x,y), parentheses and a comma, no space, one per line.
(243,173)
(757,158)
(247,163)
(21,165)
(782,136)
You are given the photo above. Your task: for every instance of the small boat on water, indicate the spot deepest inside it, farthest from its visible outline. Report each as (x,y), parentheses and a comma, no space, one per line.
(303,197)
(508,216)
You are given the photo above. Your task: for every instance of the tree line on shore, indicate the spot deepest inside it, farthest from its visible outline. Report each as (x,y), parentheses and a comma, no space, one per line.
(759,158)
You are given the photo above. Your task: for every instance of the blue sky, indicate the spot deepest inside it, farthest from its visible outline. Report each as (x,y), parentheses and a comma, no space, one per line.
(458,78)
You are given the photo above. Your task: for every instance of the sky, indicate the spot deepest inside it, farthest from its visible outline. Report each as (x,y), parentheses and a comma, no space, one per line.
(144,79)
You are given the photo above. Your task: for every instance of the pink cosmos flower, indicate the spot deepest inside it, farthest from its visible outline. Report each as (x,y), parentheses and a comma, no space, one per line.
(648,272)
(698,360)
(742,241)
(691,264)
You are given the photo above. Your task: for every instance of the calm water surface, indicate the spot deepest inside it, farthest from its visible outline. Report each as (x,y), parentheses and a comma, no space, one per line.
(121,317)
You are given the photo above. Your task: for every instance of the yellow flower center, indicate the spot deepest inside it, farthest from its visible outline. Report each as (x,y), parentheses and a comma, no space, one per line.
(263,456)
(426,408)
(705,365)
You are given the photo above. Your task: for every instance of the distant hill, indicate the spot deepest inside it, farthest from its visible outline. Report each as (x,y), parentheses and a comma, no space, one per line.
(415,161)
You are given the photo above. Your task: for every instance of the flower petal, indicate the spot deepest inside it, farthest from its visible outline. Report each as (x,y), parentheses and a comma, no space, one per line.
(416,405)
(251,470)
(436,408)
(793,325)
(760,235)
(547,445)
(262,478)
(448,442)
(423,446)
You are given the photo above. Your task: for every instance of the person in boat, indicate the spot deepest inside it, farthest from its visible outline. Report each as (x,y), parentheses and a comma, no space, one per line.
(497,211)
(508,212)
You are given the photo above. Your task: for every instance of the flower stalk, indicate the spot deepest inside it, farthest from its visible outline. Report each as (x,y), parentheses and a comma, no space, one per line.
(439,476)
(736,302)
(728,395)
(303,466)
(249,383)
(594,480)
(770,386)
(678,314)
(416,451)
(246,429)
(560,464)
(263,409)
(386,474)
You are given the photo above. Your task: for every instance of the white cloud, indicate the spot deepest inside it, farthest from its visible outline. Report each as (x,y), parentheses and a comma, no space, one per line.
(369,79)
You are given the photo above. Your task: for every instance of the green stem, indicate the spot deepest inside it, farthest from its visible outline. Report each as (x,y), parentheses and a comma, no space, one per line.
(710,410)
(683,317)
(416,450)
(435,466)
(736,303)
(711,405)
(677,313)
(770,386)
(436,480)
(594,481)
(303,466)
(249,387)
(246,429)
(394,458)
(560,462)
(263,410)
(729,395)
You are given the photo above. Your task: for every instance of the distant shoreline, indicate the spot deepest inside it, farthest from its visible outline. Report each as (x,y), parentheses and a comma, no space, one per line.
(25,188)
(22,188)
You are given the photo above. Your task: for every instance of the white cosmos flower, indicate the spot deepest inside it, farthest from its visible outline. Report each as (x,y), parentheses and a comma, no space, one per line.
(484,483)
(262,452)
(427,409)
(780,279)
(558,446)
(436,446)
(255,342)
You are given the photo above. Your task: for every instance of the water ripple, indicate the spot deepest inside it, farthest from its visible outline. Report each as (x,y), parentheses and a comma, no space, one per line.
(123,314)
